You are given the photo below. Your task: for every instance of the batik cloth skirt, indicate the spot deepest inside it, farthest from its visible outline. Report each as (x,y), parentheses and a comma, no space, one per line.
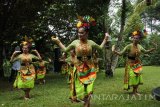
(25,77)
(133,75)
(41,72)
(82,80)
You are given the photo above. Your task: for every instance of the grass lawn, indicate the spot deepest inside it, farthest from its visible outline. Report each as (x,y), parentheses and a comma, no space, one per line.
(108,92)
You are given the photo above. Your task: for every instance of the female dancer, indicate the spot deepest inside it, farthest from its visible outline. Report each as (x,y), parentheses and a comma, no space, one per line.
(84,69)
(133,68)
(26,75)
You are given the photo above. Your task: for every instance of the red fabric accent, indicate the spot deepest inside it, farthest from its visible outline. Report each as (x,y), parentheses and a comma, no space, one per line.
(91,73)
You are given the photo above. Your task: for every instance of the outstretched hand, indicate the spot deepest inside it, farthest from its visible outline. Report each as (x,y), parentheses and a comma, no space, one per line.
(49,60)
(113,48)
(58,42)
(34,51)
(55,39)
(16,52)
(155,44)
(106,36)
(152,49)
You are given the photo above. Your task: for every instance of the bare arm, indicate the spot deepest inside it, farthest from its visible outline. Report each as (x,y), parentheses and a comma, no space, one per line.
(58,42)
(121,52)
(150,50)
(117,53)
(38,55)
(146,51)
(114,51)
(13,55)
(104,40)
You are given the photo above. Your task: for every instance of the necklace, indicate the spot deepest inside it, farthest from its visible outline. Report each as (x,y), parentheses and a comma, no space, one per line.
(136,49)
(84,48)
(26,59)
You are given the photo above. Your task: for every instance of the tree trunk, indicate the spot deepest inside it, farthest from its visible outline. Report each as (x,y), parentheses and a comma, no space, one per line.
(111,60)
(123,14)
(107,50)
(1,60)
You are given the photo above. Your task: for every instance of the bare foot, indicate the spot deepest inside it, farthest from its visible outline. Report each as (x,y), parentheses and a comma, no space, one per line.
(26,98)
(138,94)
(74,99)
(135,93)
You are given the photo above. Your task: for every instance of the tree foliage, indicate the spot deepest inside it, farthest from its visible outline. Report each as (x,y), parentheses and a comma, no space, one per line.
(42,19)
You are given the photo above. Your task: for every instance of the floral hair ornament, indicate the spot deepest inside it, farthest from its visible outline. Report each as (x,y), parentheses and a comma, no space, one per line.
(86,21)
(27,41)
(141,34)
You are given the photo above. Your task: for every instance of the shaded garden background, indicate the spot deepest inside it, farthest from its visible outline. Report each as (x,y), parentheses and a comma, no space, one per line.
(39,20)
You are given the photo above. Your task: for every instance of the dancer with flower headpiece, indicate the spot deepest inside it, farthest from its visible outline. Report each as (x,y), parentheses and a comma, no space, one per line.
(26,75)
(41,69)
(84,69)
(133,68)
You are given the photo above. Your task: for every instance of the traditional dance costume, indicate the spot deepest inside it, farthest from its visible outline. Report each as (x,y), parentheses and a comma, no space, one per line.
(133,68)
(26,75)
(83,74)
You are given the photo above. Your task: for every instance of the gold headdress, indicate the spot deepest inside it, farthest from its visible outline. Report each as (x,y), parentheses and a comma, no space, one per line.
(27,41)
(141,34)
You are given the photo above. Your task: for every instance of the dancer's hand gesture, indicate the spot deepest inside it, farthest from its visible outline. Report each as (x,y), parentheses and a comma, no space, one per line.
(113,48)
(55,39)
(106,36)
(16,52)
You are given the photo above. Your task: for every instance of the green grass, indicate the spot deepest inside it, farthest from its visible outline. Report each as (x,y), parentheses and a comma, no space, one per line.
(108,92)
